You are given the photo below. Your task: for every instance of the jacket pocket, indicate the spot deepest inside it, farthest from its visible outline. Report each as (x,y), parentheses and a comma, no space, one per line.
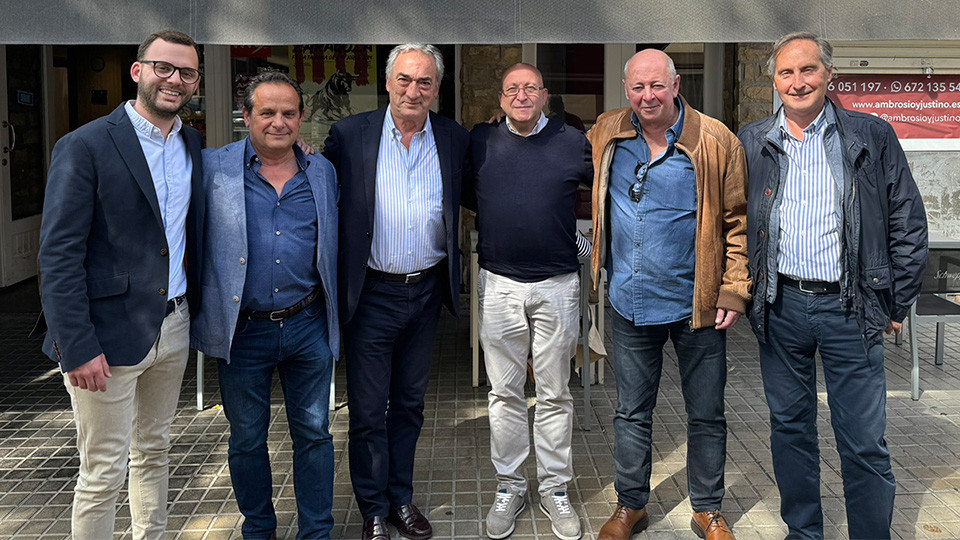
(878,297)
(104,287)
(878,277)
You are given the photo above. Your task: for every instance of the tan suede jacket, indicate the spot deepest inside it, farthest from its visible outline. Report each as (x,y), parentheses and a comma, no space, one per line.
(720,276)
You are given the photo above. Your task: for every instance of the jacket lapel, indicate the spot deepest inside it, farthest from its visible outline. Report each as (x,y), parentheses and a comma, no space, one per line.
(441,135)
(370,135)
(231,177)
(128,145)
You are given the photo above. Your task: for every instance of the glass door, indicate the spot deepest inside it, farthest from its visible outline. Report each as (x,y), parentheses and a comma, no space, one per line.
(22,159)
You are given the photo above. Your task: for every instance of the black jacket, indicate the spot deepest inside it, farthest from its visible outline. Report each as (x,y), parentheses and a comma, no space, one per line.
(352,147)
(884,237)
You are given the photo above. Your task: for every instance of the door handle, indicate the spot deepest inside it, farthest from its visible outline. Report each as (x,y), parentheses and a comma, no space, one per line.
(13,137)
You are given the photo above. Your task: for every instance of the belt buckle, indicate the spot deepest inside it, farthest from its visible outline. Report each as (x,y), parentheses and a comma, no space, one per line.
(407,279)
(276,316)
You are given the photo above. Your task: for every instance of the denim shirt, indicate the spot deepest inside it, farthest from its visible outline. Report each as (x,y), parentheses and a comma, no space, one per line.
(651,263)
(281,237)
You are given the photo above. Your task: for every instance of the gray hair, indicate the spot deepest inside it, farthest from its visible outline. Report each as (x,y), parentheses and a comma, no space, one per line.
(268,77)
(428,50)
(826,50)
(670,66)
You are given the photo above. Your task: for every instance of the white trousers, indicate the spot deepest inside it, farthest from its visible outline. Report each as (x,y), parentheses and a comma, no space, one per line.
(131,420)
(517,320)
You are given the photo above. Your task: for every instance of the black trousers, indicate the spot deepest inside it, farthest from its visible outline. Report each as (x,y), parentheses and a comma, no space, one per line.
(388,341)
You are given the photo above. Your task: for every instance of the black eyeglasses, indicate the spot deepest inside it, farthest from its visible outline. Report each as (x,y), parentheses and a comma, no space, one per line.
(636,190)
(165,70)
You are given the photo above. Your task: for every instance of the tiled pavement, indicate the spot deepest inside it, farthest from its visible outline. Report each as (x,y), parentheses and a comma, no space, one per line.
(38,459)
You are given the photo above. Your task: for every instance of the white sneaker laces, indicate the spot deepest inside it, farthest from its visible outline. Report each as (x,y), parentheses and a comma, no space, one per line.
(502,501)
(562,502)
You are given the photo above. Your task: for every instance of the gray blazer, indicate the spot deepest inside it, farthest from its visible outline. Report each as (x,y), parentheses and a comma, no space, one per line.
(224,258)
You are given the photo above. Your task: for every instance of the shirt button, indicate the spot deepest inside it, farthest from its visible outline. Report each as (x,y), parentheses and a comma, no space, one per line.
(236,298)
(409,253)
(637,271)
(163,252)
(278,203)
(276,290)
(161,290)
(762,234)
(410,227)
(767,192)
(278,233)
(278,261)
(637,244)
(242,261)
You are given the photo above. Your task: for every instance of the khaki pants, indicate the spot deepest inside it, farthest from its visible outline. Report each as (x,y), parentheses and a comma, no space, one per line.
(542,319)
(130,420)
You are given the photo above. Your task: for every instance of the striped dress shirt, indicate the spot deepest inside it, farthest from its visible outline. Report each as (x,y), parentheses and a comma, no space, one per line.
(810,214)
(408,231)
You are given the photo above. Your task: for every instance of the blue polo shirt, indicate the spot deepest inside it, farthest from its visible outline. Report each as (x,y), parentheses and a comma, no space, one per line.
(281,237)
(651,262)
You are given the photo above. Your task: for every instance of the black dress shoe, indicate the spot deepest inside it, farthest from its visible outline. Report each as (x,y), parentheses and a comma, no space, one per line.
(375,528)
(410,522)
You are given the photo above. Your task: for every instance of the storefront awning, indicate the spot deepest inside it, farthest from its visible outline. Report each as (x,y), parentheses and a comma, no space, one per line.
(286,22)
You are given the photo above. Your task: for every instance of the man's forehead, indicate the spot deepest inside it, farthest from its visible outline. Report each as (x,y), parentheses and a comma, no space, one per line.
(521,74)
(416,64)
(162,47)
(275,95)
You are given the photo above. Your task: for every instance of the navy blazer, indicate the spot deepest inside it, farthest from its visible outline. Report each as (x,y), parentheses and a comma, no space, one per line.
(104,260)
(225,243)
(352,147)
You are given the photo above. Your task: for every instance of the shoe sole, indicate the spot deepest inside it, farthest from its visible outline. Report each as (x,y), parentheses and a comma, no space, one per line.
(513,526)
(554,528)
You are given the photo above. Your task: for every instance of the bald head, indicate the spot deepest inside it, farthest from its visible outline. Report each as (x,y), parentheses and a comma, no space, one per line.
(651,55)
(522,66)
(652,85)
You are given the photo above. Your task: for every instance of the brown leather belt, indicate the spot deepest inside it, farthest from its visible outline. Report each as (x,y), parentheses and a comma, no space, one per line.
(409,279)
(281,314)
(173,303)
(810,286)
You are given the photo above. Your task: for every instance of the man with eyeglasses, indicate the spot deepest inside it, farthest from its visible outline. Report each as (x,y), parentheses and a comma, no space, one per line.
(526,173)
(119,259)
(400,169)
(669,202)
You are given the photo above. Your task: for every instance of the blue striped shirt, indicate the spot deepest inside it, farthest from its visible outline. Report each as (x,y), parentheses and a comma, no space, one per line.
(810,213)
(408,232)
(171,168)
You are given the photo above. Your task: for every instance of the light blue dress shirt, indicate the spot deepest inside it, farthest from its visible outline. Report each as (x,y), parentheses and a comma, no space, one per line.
(408,231)
(171,168)
(652,254)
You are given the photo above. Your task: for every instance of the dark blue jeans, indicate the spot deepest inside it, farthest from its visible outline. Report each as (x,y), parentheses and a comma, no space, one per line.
(799,324)
(638,359)
(298,349)
(389,341)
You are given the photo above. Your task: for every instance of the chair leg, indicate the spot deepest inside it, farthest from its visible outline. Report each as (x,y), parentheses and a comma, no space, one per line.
(941,330)
(915,371)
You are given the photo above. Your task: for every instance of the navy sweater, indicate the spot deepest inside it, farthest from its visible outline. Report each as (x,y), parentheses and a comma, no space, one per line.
(523,190)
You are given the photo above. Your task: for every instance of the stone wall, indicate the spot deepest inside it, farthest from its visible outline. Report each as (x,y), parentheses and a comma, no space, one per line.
(754,86)
(480,69)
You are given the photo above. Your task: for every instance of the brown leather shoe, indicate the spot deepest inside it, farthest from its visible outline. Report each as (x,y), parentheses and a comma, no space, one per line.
(623,523)
(710,526)
(375,528)
(410,523)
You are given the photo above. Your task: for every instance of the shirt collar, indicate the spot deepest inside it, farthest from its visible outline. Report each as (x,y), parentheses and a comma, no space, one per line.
(250,157)
(827,118)
(390,127)
(673,132)
(144,126)
(541,123)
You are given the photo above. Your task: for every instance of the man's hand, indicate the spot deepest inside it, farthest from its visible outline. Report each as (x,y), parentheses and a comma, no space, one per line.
(497,118)
(307,149)
(726,318)
(893,328)
(92,375)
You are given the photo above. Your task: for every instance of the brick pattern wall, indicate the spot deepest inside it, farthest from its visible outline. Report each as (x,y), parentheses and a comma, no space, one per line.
(754,86)
(480,71)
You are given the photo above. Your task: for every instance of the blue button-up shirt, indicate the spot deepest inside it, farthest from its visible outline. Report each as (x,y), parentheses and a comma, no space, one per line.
(281,237)
(809,207)
(651,261)
(171,168)
(408,232)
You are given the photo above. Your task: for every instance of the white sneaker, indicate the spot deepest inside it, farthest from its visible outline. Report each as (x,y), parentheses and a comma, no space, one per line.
(502,517)
(563,519)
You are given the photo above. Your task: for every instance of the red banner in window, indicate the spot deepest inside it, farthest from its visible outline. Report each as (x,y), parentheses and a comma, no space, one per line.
(917,106)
